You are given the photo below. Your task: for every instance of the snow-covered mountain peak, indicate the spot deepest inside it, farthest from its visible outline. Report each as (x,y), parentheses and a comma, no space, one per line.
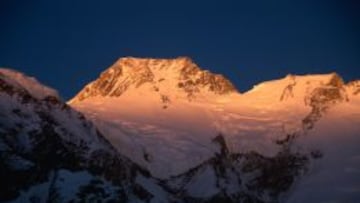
(310,79)
(296,86)
(180,76)
(26,83)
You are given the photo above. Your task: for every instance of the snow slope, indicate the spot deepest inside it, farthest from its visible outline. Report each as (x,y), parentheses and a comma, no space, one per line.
(29,83)
(336,176)
(51,153)
(149,114)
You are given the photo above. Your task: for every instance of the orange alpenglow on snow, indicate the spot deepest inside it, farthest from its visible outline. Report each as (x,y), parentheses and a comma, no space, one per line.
(151,119)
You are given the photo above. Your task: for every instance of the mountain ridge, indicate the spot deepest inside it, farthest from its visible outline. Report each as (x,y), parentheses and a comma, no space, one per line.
(29,84)
(129,72)
(186,77)
(259,146)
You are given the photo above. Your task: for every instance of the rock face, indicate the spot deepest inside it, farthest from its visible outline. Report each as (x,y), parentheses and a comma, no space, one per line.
(240,177)
(354,87)
(322,98)
(180,75)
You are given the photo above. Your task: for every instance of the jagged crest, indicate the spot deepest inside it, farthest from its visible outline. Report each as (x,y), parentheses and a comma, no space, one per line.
(179,74)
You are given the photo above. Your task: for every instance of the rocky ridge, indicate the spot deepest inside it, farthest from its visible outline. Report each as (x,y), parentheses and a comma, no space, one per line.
(186,77)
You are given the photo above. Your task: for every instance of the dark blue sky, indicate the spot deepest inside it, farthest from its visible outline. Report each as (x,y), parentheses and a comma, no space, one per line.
(66,44)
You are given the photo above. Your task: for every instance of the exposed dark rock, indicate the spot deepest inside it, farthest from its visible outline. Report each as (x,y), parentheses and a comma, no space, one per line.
(257,178)
(288,90)
(354,87)
(220,140)
(322,98)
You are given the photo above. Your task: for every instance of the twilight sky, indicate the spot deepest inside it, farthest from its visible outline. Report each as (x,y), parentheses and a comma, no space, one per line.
(66,44)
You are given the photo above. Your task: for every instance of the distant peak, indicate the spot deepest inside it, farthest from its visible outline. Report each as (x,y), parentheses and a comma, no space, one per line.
(180,74)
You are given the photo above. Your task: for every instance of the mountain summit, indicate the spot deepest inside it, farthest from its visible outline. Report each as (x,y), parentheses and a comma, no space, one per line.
(180,75)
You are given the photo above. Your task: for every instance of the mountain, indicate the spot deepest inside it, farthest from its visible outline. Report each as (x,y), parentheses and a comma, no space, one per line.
(51,153)
(164,130)
(165,113)
(180,77)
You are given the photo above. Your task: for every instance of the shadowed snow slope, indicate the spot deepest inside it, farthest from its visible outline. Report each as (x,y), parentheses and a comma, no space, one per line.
(164,114)
(51,153)
(30,84)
